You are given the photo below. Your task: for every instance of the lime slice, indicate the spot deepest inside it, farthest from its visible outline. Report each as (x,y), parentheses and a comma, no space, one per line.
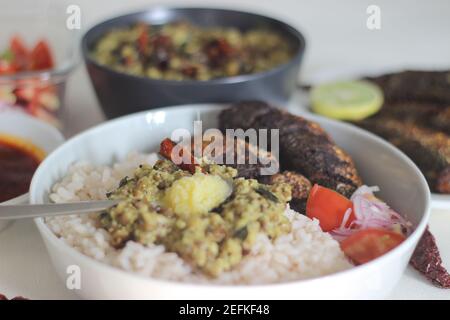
(347,100)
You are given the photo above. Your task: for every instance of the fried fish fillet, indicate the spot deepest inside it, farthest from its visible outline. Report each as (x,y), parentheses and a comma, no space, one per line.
(300,188)
(429,149)
(417,86)
(247,159)
(416,118)
(304,146)
(423,114)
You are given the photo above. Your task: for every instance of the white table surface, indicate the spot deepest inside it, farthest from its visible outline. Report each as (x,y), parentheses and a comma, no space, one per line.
(413,34)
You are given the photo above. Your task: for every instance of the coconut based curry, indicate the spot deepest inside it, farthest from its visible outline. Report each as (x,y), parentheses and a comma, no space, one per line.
(183,51)
(211,218)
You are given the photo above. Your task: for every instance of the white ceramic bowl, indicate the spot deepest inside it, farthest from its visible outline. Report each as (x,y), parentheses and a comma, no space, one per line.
(40,134)
(402,186)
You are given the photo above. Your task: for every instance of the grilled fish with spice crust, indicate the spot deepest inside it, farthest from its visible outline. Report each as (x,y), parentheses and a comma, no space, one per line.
(424,114)
(300,188)
(416,118)
(429,149)
(248,159)
(417,86)
(304,146)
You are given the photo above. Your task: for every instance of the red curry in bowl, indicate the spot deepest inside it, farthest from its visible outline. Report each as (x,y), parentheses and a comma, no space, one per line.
(19,160)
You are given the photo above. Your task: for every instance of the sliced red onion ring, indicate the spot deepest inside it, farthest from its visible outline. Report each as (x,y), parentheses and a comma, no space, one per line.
(369,212)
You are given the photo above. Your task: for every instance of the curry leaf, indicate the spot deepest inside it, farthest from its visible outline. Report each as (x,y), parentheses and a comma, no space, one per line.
(241,233)
(267,194)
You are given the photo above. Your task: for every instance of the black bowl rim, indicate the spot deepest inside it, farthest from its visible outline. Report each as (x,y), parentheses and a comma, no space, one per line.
(225,80)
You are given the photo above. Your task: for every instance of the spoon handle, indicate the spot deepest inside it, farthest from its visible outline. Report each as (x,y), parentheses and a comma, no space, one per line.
(53,209)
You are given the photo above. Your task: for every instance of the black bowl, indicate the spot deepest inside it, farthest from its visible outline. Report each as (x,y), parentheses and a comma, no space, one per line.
(120,93)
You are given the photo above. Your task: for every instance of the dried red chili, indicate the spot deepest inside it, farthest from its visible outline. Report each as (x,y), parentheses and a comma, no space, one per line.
(218,51)
(143,40)
(3,297)
(162,51)
(190,71)
(427,260)
(165,150)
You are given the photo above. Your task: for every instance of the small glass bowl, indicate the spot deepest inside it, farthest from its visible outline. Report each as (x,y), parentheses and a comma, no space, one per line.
(39,93)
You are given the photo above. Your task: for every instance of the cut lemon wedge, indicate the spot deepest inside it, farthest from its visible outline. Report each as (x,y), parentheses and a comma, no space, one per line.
(347,100)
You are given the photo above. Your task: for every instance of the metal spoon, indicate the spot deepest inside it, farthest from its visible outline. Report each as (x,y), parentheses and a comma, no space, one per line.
(53,209)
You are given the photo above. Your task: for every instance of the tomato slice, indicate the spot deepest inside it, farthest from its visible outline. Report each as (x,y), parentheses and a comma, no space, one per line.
(366,245)
(7,67)
(20,52)
(41,57)
(328,207)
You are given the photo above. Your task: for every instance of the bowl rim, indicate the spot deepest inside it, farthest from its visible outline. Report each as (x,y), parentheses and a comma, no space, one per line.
(224,80)
(47,233)
(22,199)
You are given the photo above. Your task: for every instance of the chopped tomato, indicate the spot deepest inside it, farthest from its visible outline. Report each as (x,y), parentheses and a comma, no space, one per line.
(7,67)
(38,97)
(18,47)
(165,150)
(328,207)
(41,57)
(20,52)
(366,245)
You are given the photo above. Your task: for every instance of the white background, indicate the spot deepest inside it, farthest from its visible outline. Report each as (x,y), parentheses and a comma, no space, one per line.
(413,34)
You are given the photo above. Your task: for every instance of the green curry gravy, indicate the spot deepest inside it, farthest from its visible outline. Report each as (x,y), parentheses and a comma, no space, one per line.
(211,241)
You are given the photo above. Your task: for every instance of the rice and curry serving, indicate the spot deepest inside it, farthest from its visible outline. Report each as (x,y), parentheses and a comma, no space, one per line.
(211,223)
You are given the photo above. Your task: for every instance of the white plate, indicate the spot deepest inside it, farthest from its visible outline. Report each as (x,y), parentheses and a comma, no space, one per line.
(333,73)
(440,201)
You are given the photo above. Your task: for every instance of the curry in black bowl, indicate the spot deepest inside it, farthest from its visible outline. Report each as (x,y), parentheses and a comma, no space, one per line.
(184,51)
(170,56)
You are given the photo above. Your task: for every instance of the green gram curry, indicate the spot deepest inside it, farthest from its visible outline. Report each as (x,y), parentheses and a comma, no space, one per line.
(211,218)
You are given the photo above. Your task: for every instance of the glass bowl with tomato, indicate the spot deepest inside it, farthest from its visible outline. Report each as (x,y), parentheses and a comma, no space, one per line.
(37,54)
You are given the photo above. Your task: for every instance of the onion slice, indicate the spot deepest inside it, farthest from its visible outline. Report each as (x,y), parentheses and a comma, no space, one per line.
(370,212)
